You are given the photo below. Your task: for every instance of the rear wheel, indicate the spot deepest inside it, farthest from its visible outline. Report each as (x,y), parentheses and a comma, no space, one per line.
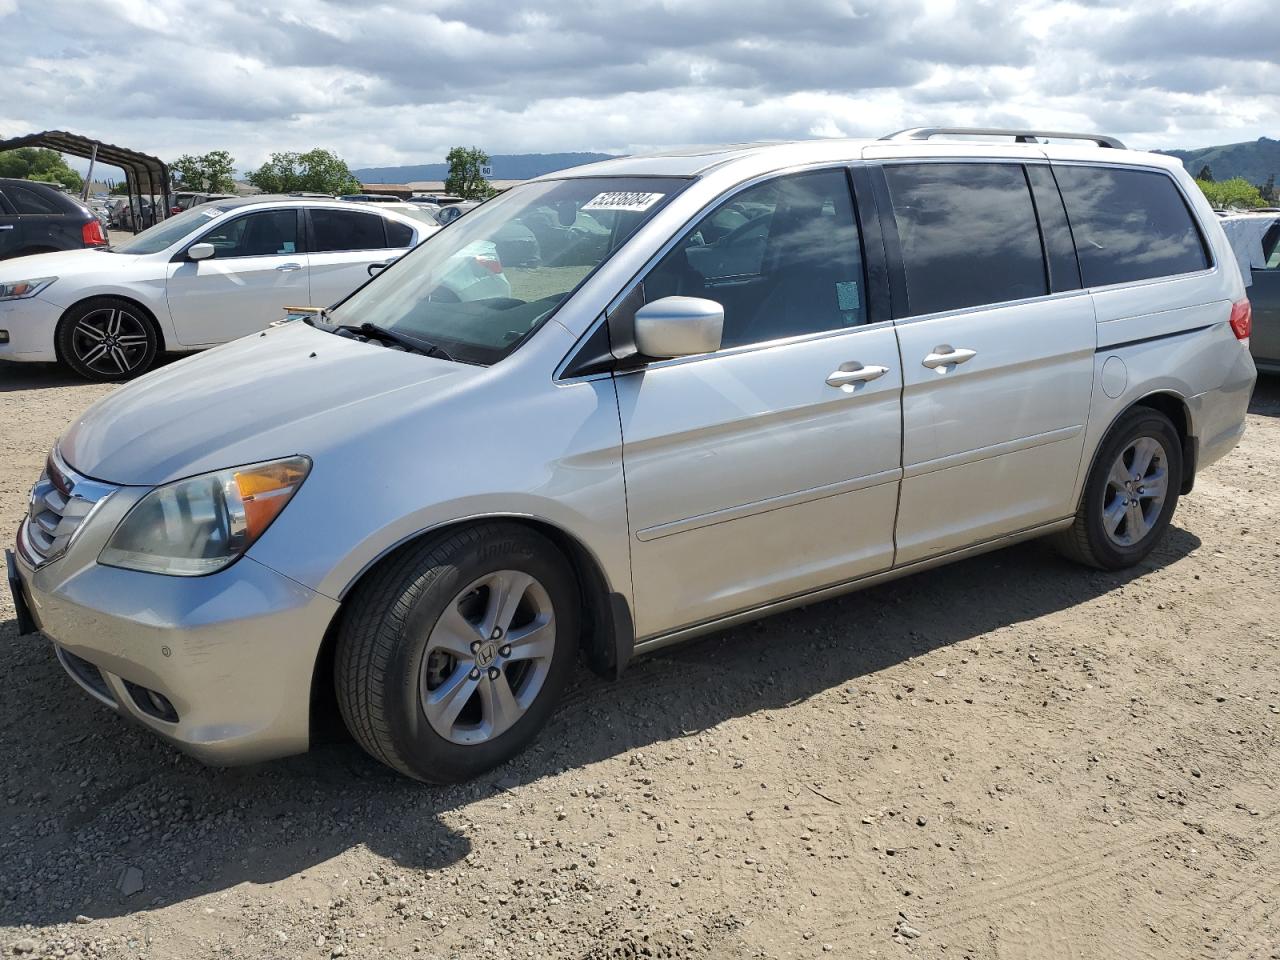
(454,652)
(108,339)
(1130,495)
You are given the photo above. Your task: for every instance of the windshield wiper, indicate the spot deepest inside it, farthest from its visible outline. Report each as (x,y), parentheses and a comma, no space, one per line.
(416,344)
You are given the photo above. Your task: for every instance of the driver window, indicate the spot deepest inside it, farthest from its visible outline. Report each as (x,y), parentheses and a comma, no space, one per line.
(783,258)
(264,234)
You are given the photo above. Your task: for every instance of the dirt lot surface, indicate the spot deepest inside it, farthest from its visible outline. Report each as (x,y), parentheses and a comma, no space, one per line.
(1010,757)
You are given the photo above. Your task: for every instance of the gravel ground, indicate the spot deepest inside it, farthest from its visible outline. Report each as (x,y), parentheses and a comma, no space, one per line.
(1009,757)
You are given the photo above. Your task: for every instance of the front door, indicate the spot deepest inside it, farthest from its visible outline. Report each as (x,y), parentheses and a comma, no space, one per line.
(770,468)
(258,269)
(997,370)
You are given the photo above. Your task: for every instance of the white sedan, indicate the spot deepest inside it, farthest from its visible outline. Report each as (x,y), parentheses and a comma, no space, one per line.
(210,274)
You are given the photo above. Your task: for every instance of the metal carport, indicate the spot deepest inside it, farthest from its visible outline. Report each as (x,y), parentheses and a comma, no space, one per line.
(145,175)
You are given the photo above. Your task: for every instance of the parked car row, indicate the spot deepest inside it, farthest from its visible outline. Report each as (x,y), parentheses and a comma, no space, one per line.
(718,384)
(185,199)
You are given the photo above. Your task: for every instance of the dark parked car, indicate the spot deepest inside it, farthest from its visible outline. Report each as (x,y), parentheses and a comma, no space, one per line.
(1255,238)
(38,218)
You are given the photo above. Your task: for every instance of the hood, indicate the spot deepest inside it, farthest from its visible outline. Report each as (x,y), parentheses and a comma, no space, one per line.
(293,390)
(61,263)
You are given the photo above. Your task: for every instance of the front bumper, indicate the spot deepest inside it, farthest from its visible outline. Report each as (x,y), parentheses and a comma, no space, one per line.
(231,654)
(31,325)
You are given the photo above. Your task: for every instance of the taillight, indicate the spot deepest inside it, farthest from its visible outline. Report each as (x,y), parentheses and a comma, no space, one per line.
(91,232)
(1242,319)
(492,264)
(175,210)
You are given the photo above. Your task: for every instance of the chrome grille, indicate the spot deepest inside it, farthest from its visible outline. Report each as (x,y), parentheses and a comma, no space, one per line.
(61,500)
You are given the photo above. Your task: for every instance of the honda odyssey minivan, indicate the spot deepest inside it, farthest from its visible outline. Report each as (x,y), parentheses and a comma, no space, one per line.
(713,385)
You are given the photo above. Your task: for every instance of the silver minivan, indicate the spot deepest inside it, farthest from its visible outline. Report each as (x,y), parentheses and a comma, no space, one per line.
(714,384)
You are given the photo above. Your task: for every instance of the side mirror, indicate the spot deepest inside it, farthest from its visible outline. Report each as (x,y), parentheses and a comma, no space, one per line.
(679,327)
(201,251)
(377,268)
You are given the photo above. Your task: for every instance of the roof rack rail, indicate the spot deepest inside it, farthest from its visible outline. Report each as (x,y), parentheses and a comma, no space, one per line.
(1021,136)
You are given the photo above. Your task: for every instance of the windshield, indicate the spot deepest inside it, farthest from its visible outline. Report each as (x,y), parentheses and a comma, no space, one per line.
(168,232)
(481,285)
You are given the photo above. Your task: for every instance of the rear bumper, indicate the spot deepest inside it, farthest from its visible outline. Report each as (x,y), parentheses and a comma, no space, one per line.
(1219,415)
(232,654)
(31,325)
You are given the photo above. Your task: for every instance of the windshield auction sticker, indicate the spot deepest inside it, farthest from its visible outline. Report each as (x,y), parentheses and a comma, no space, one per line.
(623,200)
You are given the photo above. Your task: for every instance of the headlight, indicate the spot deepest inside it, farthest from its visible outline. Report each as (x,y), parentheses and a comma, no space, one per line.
(22,289)
(200,525)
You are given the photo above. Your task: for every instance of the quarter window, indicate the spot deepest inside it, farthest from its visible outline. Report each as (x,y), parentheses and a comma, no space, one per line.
(968,234)
(1129,224)
(336,230)
(265,234)
(399,234)
(783,258)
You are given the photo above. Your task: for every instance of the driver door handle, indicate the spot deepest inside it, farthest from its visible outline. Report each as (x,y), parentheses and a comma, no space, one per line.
(285,267)
(854,372)
(947,355)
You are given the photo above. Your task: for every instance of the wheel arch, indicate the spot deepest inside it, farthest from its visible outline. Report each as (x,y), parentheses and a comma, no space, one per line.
(146,311)
(1173,406)
(608,631)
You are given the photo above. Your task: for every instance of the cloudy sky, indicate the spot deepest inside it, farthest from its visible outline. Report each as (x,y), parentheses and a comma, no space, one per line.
(402,82)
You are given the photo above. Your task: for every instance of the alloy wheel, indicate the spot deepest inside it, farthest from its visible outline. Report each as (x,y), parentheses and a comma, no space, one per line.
(111,341)
(487,657)
(1135,492)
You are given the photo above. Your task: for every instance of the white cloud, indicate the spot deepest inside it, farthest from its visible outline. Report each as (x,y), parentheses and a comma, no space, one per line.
(398,83)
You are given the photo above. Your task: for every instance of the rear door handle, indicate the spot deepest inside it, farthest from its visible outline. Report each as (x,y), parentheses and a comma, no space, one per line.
(947,355)
(286,267)
(854,372)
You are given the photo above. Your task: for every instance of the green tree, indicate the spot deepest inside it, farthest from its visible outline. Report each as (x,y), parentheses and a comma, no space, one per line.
(1205,174)
(212,172)
(37,163)
(465,179)
(316,171)
(1236,192)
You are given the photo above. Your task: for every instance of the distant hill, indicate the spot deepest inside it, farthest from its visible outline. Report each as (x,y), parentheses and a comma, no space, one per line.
(1255,160)
(511,166)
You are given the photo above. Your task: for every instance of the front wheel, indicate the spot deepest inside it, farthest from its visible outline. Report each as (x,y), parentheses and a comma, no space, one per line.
(1130,493)
(107,339)
(453,653)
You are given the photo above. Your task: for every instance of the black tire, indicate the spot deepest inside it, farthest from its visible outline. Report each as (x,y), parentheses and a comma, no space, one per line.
(1087,540)
(131,351)
(382,647)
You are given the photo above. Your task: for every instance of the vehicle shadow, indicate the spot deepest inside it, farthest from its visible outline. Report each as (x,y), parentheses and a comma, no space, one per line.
(43,376)
(35,376)
(99,796)
(1266,396)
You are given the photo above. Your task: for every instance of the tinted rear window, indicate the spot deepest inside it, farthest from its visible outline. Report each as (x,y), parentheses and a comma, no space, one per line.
(1129,224)
(968,234)
(347,230)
